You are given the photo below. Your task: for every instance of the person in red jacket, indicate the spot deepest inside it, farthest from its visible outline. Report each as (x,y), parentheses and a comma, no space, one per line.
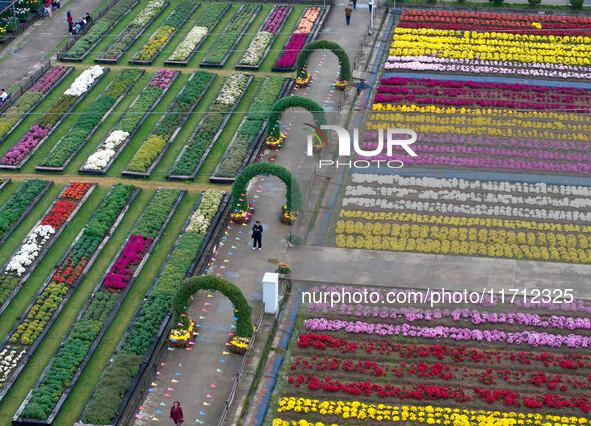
(176,413)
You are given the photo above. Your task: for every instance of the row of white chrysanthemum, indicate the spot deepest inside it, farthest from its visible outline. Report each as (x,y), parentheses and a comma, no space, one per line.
(454,183)
(416,194)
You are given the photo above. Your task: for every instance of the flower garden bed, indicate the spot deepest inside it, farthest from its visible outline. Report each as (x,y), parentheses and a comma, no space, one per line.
(164,34)
(225,44)
(39,241)
(209,129)
(360,372)
(482,125)
(20,204)
(83,47)
(29,100)
(72,142)
(104,304)
(24,149)
(105,154)
(154,314)
(170,124)
(259,47)
(250,132)
(197,35)
(479,43)
(27,335)
(132,32)
(473,218)
(306,30)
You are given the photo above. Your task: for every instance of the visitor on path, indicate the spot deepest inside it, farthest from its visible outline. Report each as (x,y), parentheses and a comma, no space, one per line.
(3,96)
(48,7)
(87,17)
(348,11)
(257,234)
(70,21)
(176,413)
(57,4)
(370,5)
(354,4)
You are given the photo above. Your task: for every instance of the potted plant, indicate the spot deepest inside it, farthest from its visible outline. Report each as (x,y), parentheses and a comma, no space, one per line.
(283,269)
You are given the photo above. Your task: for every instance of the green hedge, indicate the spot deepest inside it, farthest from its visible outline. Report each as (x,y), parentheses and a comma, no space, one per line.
(293,102)
(19,202)
(293,191)
(345,70)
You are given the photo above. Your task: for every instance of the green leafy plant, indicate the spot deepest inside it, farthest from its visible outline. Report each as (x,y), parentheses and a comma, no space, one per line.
(19,202)
(577,4)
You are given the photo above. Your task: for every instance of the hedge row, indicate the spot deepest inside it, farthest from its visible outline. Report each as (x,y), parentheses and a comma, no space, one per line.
(19,202)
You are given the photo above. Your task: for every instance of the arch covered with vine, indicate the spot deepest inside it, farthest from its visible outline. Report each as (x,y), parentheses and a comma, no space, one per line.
(190,286)
(294,200)
(274,117)
(302,60)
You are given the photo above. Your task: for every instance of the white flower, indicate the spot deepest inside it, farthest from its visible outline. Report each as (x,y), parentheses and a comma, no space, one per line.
(206,211)
(192,39)
(233,88)
(147,13)
(30,249)
(257,48)
(85,80)
(106,151)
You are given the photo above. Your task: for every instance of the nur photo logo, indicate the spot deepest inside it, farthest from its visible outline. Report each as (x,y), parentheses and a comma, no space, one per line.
(317,138)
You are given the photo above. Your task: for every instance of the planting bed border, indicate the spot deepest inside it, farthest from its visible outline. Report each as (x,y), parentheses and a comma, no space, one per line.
(24,214)
(153,58)
(169,175)
(55,126)
(257,139)
(122,146)
(25,360)
(17,420)
(147,366)
(65,58)
(94,129)
(198,45)
(256,67)
(231,49)
(31,268)
(318,24)
(36,104)
(128,173)
(100,60)
(5,182)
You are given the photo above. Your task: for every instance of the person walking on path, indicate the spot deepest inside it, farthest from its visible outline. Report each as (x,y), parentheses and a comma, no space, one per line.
(176,413)
(70,21)
(348,11)
(354,4)
(257,234)
(370,5)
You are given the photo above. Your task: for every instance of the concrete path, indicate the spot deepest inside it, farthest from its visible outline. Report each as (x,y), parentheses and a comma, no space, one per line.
(23,56)
(201,378)
(412,270)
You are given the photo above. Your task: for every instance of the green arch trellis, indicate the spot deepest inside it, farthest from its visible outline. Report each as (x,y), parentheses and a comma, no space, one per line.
(293,191)
(345,71)
(292,102)
(190,286)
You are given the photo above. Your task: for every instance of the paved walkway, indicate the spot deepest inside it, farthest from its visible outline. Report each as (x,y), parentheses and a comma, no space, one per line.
(23,56)
(201,378)
(412,270)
